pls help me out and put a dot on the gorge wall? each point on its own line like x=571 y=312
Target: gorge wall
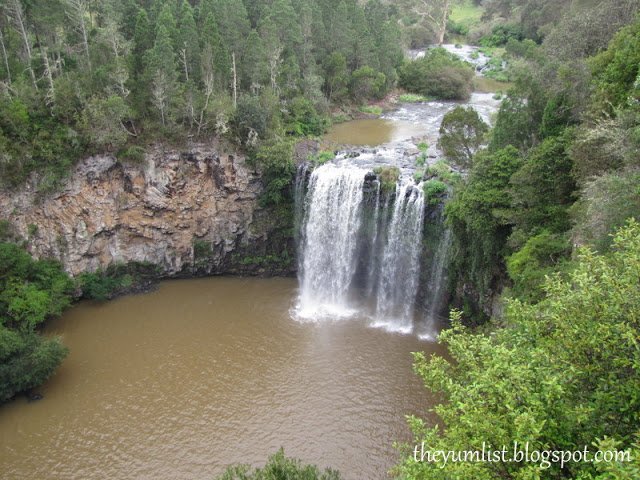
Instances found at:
x=190 y=212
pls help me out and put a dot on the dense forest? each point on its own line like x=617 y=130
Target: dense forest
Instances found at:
x=80 y=76
x=545 y=268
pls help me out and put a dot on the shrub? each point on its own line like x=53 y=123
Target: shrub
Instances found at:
x=388 y=177
x=529 y=266
x=254 y=119
x=366 y=83
x=371 y=109
x=322 y=157
x=501 y=34
x=462 y=132
x=117 y=279
x=30 y=293
x=132 y=154
x=413 y=98
x=280 y=467
x=536 y=380
x=275 y=158
x=303 y=119
x=438 y=74
x=434 y=190
x=606 y=203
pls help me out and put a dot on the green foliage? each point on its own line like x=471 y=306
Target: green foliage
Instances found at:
x=464 y=15
x=443 y=171
x=8 y=232
x=371 y=109
x=462 y=133
x=27 y=360
x=275 y=159
x=254 y=119
x=202 y=251
x=132 y=154
x=280 y=467
x=563 y=374
x=501 y=34
x=605 y=204
x=542 y=189
x=30 y=293
x=438 y=74
x=542 y=256
x=322 y=157
x=103 y=122
x=34 y=141
x=616 y=69
x=434 y=191
x=479 y=218
x=303 y=119
x=282 y=260
x=151 y=71
x=516 y=124
x=367 y=83
x=117 y=279
x=413 y=98
x=388 y=178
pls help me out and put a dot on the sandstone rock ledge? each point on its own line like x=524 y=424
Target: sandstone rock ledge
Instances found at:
x=156 y=212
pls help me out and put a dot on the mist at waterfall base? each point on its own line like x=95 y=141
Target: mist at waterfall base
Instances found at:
x=360 y=251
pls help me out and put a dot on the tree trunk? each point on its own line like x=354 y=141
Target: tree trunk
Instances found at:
x=50 y=97
x=442 y=28
x=80 y=10
x=18 y=18
x=6 y=59
x=235 y=81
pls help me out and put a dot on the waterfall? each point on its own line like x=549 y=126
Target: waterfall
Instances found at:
x=374 y=260
x=399 y=273
x=359 y=247
x=329 y=240
x=435 y=287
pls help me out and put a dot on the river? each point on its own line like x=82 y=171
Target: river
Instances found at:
x=203 y=373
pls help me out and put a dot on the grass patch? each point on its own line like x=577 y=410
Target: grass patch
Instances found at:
x=442 y=171
x=413 y=98
x=322 y=157
x=434 y=190
x=489 y=85
x=466 y=13
x=371 y=109
x=388 y=177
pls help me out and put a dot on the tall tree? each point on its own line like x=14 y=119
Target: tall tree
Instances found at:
x=17 y=15
x=78 y=11
x=188 y=43
x=215 y=53
x=433 y=13
x=162 y=63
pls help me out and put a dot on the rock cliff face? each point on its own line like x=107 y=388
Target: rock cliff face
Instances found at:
x=189 y=212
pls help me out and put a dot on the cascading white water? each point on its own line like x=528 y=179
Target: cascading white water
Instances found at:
x=329 y=240
x=400 y=269
x=435 y=287
x=348 y=265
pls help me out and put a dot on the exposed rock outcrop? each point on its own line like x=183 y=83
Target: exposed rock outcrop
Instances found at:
x=192 y=212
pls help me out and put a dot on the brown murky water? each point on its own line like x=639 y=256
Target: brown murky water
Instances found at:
x=372 y=132
x=200 y=374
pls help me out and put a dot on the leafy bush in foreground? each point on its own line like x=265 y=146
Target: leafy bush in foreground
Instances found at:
x=280 y=467
x=562 y=374
x=30 y=293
